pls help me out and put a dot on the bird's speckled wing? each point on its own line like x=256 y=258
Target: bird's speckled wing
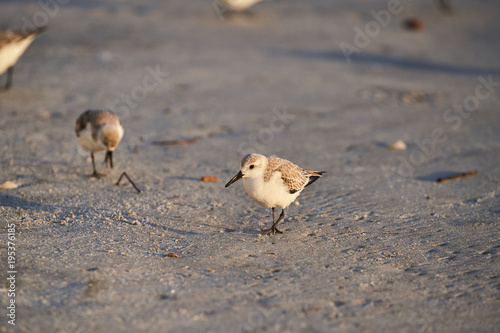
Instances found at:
x=294 y=177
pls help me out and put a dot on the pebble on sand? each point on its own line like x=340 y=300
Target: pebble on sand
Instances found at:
x=398 y=145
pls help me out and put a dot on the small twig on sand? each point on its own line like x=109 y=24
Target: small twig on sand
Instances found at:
x=457 y=176
x=130 y=180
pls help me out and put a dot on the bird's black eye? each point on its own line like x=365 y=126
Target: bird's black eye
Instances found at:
x=252 y=166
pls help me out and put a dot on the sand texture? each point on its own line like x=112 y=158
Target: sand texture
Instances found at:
x=375 y=245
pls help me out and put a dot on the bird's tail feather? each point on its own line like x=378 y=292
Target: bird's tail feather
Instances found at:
x=314 y=176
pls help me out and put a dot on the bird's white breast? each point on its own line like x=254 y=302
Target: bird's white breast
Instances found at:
x=272 y=193
x=9 y=53
x=88 y=143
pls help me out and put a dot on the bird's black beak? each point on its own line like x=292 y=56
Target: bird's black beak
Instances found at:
x=239 y=175
x=109 y=159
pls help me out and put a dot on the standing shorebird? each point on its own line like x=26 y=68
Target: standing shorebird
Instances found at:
x=99 y=131
x=273 y=182
x=12 y=46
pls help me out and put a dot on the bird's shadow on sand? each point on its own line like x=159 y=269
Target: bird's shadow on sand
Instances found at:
x=20 y=203
x=366 y=58
x=241 y=230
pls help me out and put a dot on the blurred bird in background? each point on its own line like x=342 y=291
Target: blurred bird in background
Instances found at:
x=12 y=46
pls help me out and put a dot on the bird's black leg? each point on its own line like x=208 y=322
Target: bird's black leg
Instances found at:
x=93 y=164
x=108 y=160
x=273 y=228
x=10 y=75
x=280 y=218
x=95 y=173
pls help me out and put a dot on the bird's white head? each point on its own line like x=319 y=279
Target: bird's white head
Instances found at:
x=252 y=166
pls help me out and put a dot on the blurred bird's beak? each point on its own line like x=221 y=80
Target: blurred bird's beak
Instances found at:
x=239 y=175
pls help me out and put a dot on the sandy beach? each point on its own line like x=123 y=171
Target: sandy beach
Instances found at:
x=375 y=245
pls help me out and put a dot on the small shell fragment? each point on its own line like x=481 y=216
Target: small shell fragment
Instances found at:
x=398 y=145
x=209 y=179
x=8 y=185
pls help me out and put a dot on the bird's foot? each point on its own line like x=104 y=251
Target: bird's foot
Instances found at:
x=97 y=175
x=271 y=231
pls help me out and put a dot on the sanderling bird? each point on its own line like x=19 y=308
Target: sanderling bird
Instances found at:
x=99 y=131
x=236 y=5
x=12 y=46
x=273 y=182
